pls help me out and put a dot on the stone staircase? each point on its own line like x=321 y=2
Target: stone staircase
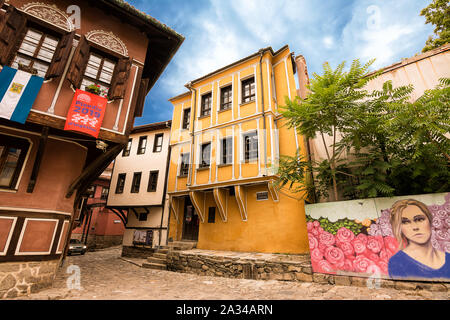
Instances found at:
x=158 y=260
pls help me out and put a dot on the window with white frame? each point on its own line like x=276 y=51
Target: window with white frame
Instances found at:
x=250 y=146
x=99 y=71
x=205 y=155
x=227 y=151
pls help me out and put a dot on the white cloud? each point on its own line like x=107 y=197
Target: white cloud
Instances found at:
x=328 y=42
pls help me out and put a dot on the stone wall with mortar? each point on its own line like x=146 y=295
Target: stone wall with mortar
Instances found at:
x=137 y=252
x=183 y=261
x=22 y=278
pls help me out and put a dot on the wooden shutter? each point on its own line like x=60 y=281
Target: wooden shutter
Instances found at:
x=12 y=31
x=120 y=79
x=143 y=90
x=79 y=63
x=61 y=56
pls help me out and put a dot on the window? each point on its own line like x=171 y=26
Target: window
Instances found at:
x=184 y=166
x=205 y=156
x=136 y=184
x=206 y=105
x=99 y=71
x=120 y=182
x=248 y=90
x=105 y=192
x=186 y=118
x=250 y=146
x=227 y=151
x=91 y=191
x=36 y=51
x=142 y=145
x=143 y=216
x=226 y=98
x=157 y=146
x=264 y=195
x=12 y=156
x=126 y=151
x=211 y=215
x=152 y=181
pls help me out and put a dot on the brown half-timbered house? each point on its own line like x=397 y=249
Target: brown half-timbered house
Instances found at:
x=45 y=169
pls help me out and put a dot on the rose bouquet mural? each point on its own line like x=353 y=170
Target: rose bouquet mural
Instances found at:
x=365 y=246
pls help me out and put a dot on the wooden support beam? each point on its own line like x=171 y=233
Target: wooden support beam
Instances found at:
x=273 y=191
x=93 y=170
x=121 y=215
x=240 y=192
x=135 y=213
x=37 y=162
x=198 y=200
x=174 y=206
x=221 y=199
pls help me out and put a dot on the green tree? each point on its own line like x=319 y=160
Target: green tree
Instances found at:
x=438 y=14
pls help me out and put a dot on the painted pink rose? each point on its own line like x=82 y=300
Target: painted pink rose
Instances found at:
x=362 y=237
x=327 y=238
x=442 y=235
x=391 y=245
x=361 y=263
x=371 y=255
x=335 y=256
x=316 y=255
x=348 y=265
x=316 y=224
x=441 y=214
x=315 y=232
x=374 y=244
x=313 y=242
x=322 y=247
x=383 y=266
x=320 y=229
x=325 y=267
x=309 y=226
x=447 y=221
x=445 y=246
x=438 y=223
x=346 y=247
x=344 y=235
x=385 y=255
x=358 y=246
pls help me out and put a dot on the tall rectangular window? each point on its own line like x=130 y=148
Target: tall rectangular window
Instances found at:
x=211 y=214
x=205 y=156
x=227 y=150
x=157 y=146
x=184 y=166
x=36 y=51
x=226 y=98
x=99 y=71
x=153 y=181
x=186 y=118
x=127 y=149
x=206 y=105
x=142 y=145
x=136 y=183
x=12 y=156
x=250 y=146
x=248 y=90
x=91 y=191
x=120 y=182
x=105 y=192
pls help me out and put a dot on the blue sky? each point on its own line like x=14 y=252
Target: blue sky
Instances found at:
x=219 y=32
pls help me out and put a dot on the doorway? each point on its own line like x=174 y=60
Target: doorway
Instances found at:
x=190 y=221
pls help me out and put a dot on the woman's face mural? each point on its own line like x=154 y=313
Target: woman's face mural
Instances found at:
x=415 y=225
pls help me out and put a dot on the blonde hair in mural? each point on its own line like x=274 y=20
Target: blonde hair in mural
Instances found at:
x=396 y=217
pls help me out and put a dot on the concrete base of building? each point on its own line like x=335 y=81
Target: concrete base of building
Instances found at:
x=137 y=252
x=23 y=278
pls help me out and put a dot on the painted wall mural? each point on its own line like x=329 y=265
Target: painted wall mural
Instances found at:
x=393 y=238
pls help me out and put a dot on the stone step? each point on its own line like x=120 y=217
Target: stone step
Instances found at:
x=156 y=266
x=182 y=245
x=156 y=260
x=165 y=251
x=160 y=256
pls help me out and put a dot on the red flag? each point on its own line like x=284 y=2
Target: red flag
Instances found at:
x=86 y=113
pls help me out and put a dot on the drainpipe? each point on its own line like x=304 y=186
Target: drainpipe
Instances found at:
x=189 y=86
x=261 y=52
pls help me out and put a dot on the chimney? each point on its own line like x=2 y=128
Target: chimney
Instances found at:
x=303 y=78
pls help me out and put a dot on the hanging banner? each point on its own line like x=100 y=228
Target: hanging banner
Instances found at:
x=18 y=91
x=86 y=113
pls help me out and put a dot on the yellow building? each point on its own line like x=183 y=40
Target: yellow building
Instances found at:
x=226 y=139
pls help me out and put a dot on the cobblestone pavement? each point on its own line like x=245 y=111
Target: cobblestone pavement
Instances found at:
x=106 y=276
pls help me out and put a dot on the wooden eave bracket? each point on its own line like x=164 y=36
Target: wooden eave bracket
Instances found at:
x=240 y=193
x=174 y=206
x=273 y=191
x=221 y=199
x=198 y=200
x=118 y=212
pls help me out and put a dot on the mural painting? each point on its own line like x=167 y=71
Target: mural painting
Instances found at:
x=393 y=238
